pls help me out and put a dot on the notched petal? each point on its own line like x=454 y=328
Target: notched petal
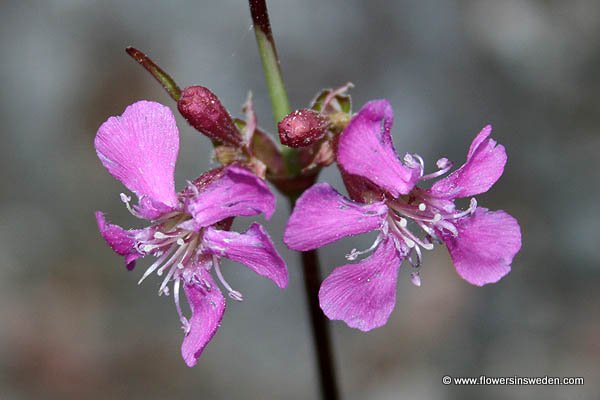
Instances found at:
x=484 y=166
x=140 y=148
x=365 y=149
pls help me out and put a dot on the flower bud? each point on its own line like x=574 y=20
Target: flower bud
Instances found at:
x=302 y=128
x=204 y=111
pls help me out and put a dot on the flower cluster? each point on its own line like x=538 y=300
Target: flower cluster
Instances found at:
x=189 y=232
x=384 y=197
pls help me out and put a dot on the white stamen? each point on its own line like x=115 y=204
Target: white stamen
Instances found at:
x=444 y=164
x=184 y=321
x=165 y=217
x=403 y=222
x=419 y=256
x=127 y=199
x=157 y=263
x=404 y=210
x=470 y=210
x=410 y=238
x=414 y=161
x=353 y=255
x=173 y=259
x=158 y=243
x=415 y=278
x=160 y=235
x=422 y=207
x=449 y=226
x=178 y=264
x=420 y=159
x=234 y=294
x=415 y=263
x=426 y=228
x=193 y=188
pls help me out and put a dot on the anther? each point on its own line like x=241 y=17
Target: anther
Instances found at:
x=126 y=199
x=443 y=163
x=422 y=207
x=470 y=210
x=235 y=295
x=415 y=278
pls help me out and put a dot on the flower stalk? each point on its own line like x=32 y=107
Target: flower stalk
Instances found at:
x=272 y=71
x=310 y=259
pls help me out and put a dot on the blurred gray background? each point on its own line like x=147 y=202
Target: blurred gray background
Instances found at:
x=75 y=325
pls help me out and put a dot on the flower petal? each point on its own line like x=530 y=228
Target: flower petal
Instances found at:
x=363 y=295
x=486 y=244
x=322 y=216
x=140 y=148
x=365 y=149
x=208 y=305
x=253 y=248
x=484 y=166
x=122 y=241
x=237 y=192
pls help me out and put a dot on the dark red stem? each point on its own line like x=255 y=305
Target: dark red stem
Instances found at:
x=260 y=18
x=320 y=327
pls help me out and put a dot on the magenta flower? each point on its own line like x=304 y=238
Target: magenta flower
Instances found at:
x=482 y=243
x=189 y=230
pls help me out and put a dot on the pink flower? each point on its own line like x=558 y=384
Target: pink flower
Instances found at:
x=385 y=198
x=189 y=230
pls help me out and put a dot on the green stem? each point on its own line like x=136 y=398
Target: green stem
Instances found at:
x=157 y=72
x=273 y=77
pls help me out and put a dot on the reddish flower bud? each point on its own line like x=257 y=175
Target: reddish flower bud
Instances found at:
x=204 y=111
x=302 y=128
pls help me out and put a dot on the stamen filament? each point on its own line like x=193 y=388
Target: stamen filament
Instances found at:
x=182 y=318
x=401 y=228
x=174 y=258
x=157 y=263
x=470 y=210
x=444 y=164
x=127 y=199
x=354 y=253
x=234 y=294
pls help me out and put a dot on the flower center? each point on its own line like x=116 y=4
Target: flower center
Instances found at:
x=179 y=255
x=428 y=219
